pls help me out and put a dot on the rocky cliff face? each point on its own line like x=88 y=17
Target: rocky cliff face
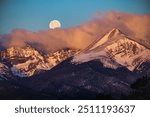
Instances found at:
x=27 y=61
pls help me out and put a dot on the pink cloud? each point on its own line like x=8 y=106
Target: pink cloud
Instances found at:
x=134 y=25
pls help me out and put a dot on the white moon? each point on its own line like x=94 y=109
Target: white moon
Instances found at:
x=54 y=24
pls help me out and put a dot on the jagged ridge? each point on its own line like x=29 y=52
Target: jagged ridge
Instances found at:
x=27 y=61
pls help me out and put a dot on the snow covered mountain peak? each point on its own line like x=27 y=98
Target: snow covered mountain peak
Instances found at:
x=23 y=60
x=112 y=35
x=114 y=31
x=115 y=50
x=20 y=52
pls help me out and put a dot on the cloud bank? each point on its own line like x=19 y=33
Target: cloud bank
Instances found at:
x=134 y=25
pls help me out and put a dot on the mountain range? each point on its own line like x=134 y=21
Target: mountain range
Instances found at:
x=107 y=67
x=27 y=61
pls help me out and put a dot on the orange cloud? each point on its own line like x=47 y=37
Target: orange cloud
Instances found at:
x=134 y=25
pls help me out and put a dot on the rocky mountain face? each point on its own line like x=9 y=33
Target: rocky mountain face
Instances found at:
x=107 y=66
x=5 y=72
x=27 y=61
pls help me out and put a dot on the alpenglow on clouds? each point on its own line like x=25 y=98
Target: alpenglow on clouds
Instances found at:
x=134 y=25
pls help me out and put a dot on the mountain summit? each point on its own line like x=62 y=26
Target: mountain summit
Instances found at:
x=114 y=34
x=114 y=50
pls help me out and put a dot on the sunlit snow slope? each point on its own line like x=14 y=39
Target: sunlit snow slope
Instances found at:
x=114 y=50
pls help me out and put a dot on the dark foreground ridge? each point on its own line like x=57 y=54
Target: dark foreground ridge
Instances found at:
x=84 y=81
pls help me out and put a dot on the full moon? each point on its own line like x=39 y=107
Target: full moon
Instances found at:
x=54 y=24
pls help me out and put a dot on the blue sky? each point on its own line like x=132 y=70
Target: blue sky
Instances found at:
x=35 y=15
